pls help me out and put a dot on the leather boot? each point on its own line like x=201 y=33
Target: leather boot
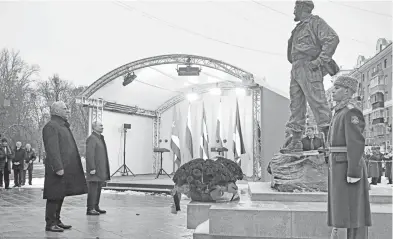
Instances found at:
x=295 y=145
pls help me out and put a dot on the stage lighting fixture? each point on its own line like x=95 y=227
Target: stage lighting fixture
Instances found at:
x=240 y=91
x=215 y=91
x=130 y=77
x=192 y=96
x=188 y=70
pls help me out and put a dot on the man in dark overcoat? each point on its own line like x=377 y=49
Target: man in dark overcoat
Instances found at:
x=17 y=163
x=30 y=158
x=97 y=168
x=64 y=174
x=388 y=166
x=374 y=169
x=6 y=156
x=348 y=195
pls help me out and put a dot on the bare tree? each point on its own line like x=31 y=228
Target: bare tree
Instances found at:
x=16 y=78
x=55 y=89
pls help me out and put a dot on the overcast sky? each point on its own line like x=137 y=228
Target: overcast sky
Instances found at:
x=82 y=41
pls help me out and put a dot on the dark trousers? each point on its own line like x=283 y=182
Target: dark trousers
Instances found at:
x=374 y=180
x=176 y=199
x=30 y=171
x=17 y=177
x=6 y=174
x=52 y=211
x=93 y=195
x=357 y=233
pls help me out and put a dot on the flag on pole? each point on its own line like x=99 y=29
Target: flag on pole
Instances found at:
x=204 y=148
x=218 y=128
x=238 y=143
x=175 y=141
x=188 y=133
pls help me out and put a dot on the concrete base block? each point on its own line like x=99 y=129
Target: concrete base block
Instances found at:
x=262 y=191
x=197 y=212
x=286 y=220
x=202 y=232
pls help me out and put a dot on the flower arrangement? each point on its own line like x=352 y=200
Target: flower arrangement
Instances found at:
x=206 y=180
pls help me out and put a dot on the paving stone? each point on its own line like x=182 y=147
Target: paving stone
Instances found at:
x=22 y=215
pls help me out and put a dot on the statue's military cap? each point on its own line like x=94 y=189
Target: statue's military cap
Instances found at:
x=347 y=82
x=307 y=3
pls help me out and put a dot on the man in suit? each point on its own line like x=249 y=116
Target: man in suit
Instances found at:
x=64 y=174
x=311 y=142
x=348 y=187
x=30 y=158
x=97 y=168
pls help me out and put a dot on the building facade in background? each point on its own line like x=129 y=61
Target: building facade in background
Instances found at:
x=375 y=93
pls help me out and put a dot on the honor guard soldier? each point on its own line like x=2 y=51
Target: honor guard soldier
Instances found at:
x=348 y=195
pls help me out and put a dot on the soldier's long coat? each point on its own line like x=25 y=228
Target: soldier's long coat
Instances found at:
x=373 y=167
x=348 y=203
x=62 y=153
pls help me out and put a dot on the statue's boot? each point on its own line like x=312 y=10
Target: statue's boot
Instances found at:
x=295 y=145
x=325 y=131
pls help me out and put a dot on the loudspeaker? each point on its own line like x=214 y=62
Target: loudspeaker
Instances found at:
x=127 y=126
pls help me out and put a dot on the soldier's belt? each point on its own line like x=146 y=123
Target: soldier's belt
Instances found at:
x=374 y=161
x=338 y=149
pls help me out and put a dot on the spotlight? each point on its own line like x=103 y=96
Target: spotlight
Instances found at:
x=192 y=96
x=188 y=71
x=240 y=91
x=130 y=77
x=215 y=91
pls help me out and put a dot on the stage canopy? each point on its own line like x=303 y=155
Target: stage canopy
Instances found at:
x=155 y=85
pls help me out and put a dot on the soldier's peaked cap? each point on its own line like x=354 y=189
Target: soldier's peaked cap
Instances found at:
x=347 y=82
x=306 y=3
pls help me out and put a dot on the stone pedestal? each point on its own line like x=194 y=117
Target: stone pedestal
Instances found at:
x=299 y=173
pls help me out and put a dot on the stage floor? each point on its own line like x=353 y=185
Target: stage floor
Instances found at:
x=144 y=179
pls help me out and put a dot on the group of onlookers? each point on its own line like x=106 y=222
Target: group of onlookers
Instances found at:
x=20 y=160
x=377 y=163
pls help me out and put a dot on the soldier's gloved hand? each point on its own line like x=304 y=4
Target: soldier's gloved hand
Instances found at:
x=352 y=180
x=92 y=172
x=60 y=172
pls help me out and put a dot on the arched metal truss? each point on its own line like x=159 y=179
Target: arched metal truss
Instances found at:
x=246 y=78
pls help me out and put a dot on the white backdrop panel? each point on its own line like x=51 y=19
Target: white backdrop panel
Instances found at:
x=139 y=154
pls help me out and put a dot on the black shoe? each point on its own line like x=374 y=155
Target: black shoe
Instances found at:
x=100 y=211
x=29 y=183
x=7 y=188
x=61 y=225
x=54 y=228
x=92 y=212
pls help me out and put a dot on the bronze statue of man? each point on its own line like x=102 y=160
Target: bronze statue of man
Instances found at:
x=310 y=50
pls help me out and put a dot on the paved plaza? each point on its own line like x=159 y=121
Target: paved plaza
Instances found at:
x=129 y=215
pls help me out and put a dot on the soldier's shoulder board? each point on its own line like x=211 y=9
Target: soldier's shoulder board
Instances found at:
x=350 y=106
